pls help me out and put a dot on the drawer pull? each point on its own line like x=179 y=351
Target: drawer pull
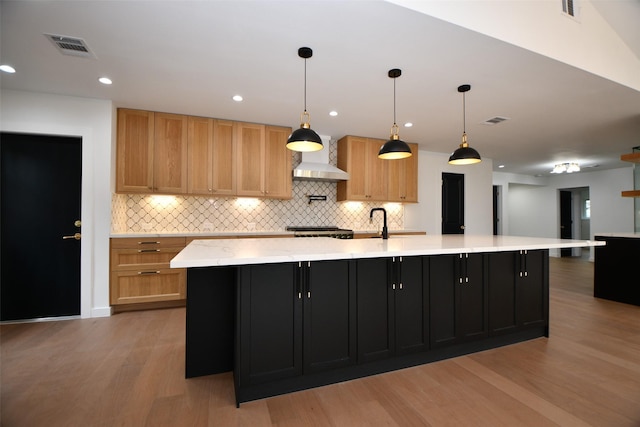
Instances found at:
x=148 y=250
x=148 y=272
x=148 y=243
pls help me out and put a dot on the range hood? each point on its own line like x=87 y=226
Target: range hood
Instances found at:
x=315 y=166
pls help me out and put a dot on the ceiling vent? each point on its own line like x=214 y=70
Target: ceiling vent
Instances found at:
x=495 y=120
x=70 y=45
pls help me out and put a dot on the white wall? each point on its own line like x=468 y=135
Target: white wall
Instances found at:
x=478 y=197
x=588 y=42
x=93 y=120
x=533 y=205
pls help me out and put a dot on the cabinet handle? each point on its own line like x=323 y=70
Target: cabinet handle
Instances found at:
x=393 y=286
x=148 y=272
x=148 y=243
x=400 y=285
x=148 y=250
x=461 y=280
x=308 y=294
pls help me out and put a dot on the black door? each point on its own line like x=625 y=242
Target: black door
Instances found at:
x=565 y=220
x=452 y=203
x=40 y=202
x=496 y=219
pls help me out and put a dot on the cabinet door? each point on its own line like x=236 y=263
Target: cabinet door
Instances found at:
x=329 y=315
x=224 y=158
x=352 y=155
x=375 y=309
x=278 y=172
x=411 y=305
x=200 y=155
x=502 y=292
x=471 y=304
x=170 y=154
x=403 y=178
x=443 y=274
x=135 y=151
x=532 y=288
x=270 y=322
x=377 y=172
x=250 y=159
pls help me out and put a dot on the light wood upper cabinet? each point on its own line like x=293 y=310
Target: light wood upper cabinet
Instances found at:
x=151 y=152
x=374 y=179
x=134 y=166
x=403 y=178
x=368 y=174
x=263 y=161
x=277 y=163
x=211 y=153
x=250 y=159
x=170 y=154
x=176 y=154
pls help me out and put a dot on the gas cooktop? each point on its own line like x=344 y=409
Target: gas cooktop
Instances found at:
x=307 y=231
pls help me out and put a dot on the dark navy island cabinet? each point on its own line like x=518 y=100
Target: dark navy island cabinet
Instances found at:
x=290 y=326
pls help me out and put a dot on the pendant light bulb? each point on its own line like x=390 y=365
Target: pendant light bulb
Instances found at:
x=304 y=138
x=394 y=148
x=464 y=155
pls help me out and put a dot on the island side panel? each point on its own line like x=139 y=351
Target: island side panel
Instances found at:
x=210 y=320
x=616 y=270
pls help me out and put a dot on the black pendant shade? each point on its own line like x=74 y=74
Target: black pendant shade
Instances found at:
x=394 y=148
x=304 y=139
x=464 y=155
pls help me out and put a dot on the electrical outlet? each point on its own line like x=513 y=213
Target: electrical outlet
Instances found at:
x=207 y=226
x=146 y=226
x=251 y=226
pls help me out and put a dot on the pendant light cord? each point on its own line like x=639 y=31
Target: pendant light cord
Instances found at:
x=305 y=85
x=464 y=113
x=394 y=101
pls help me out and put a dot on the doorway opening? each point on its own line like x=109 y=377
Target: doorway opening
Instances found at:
x=575 y=218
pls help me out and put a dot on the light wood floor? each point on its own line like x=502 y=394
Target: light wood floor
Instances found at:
x=128 y=370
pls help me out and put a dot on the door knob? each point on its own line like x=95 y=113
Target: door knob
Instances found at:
x=76 y=236
x=78 y=223
x=462 y=227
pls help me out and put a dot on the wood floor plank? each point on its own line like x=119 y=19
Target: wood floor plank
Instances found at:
x=128 y=370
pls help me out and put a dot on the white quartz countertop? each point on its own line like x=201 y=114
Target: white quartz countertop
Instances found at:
x=625 y=235
x=225 y=252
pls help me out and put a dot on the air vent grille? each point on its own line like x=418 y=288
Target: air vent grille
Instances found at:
x=495 y=120
x=70 y=45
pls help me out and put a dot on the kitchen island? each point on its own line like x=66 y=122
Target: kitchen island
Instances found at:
x=615 y=275
x=290 y=314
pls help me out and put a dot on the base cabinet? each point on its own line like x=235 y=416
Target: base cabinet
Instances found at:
x=302 y=325
x=392 y=307
x=518 y=290
x=293 y=319
x=458 y=299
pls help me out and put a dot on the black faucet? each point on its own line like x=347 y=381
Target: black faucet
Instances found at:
x=385 y=231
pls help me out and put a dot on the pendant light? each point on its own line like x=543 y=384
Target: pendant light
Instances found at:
x=304 y=139
x=464 y=155
x=394 y=148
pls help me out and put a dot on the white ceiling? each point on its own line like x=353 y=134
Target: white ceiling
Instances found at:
x=191 y=57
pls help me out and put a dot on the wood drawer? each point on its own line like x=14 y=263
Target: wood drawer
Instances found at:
x=147 y=285
x=142 y=258
x=147 y=242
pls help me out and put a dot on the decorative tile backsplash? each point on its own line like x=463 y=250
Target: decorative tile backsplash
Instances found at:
x=139 y=213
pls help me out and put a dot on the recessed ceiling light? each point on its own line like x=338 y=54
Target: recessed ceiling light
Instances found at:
x=237 y=98
x=500 y=166
x=105 y=80
x=333 y=113
x=408 y=124
x=7 y=69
